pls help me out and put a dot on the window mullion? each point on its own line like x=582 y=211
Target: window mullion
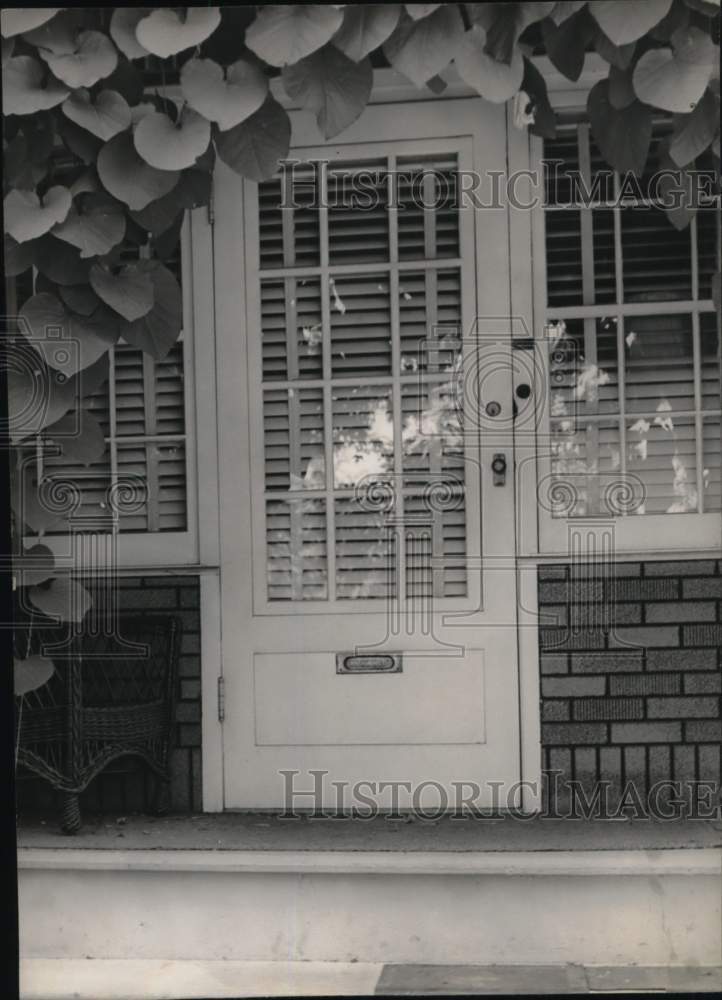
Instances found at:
x=394 y=292
x=590 y=326
x=325 y=292
x=697 y=369
x=151 y=449
x=621 y=356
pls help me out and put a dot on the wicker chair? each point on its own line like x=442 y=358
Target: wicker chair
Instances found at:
x=111 y=697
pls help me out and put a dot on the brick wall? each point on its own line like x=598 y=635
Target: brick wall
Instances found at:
x=631 y=677
x=126 y=786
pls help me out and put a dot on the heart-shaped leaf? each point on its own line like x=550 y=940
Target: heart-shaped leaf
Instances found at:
x=129 y=292
x=94 y=58
x=624 y=21
x=58 y=36
x=60 y=261
x=79 y=299
x=31 y=674
x=418 y=10
x=254 y=148
x=168 y=145
x=365 y=27
x=61 y=598
x=105 y=117
x=27 y=217
x=79 y=141
x=676 y=80
x=128 y=177
x=226 y=101
x=616 y=55
x=23 y=90
x=496 y=81
x=164 y=33
x=68 y=343
x=192 y=190
x=505 y=22
x=39 y=396
x=622 y=134
x=34 y=566
x=31 y=506
x=127 y=81
x=694 y=132
x=16 y=20
x=566 y=44
x=621 y=91
x=18 y=256
x=421 y=49
x=122 y=30
x=534 y=86
x=283 y=34
x=95 y=228
x=157 y=331
x=335 y=88
x=565 y=9
x=79 y=437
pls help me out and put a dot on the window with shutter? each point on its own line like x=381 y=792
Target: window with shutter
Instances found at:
x=140 y=486
x=633 y=344
x=358 y=359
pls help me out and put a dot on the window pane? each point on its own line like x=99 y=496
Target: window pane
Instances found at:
x=363 y=434
x=365 y=564
x=428 y=210
x=151 y=491
x=711 y=470
x=659 y=369
x=292 y=338
x=358 y=227
x=664 y=459
x=564 y=258
x=296 y=550
x=432 y=435
x=656 y=257
x=360 y=325
x=299 y=246
x=435 y=547
x=583 y=366
x=429 y=320
x=293 y=439
x=585 y=467
x=708 y=222
x=710 y=351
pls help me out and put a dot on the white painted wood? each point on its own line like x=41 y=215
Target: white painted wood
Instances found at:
x=211 y=670
x=252 y=625
x=645 y=910
x=148 y=979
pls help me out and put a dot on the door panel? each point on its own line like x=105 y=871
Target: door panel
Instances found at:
x=359 y=514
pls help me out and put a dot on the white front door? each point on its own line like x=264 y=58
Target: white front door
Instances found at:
x=369 y=591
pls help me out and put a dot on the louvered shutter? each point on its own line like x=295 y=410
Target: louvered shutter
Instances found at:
x=634 y=341
x=360 y=292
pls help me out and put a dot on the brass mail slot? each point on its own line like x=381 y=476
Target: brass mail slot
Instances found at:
x=368 y=663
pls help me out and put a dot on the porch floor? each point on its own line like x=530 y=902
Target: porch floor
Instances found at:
x=267 y=832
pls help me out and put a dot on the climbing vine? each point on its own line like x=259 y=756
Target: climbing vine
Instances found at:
x=100 y=166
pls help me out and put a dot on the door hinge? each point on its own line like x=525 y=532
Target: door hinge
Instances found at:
x=221 y=699
x=211 y=207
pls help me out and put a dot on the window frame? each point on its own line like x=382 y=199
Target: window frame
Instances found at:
x=657 y=535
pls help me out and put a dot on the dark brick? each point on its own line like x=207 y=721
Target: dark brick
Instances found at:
x=555 y=711
x=560 y=759
x=685 y=765
x=190 y=598
x=553 y=664
x=574 y=733
x=605 y=663
x=710 y=764
x=680 y=611
x=608 y=708
x=180 y=779
x=667 y=635
x=703 y=732
x=644 y=684
x=635 y=766
x=691 y=567
x=660 y=764
x=610 y=764
x=190 y=735
x=190 y=643
x=646 y=732
x=191 y=621
x=683 y=708
x=196 y=780
x=614 y=569
x=646 y=590
x=569 y=687
x=552 y=572
x=145 y=599
x=189 y=666
x=128 y=582
x=190 y=690
x=585 y=764
x=566 y=592
x=625 y=614
x=703 y=683
x=553 y=614
x=559 y=638
x=682 y=659
x=710 y=587
x=188 y=711
x=702 y=635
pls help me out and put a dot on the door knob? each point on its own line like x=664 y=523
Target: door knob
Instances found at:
x=498 y=467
